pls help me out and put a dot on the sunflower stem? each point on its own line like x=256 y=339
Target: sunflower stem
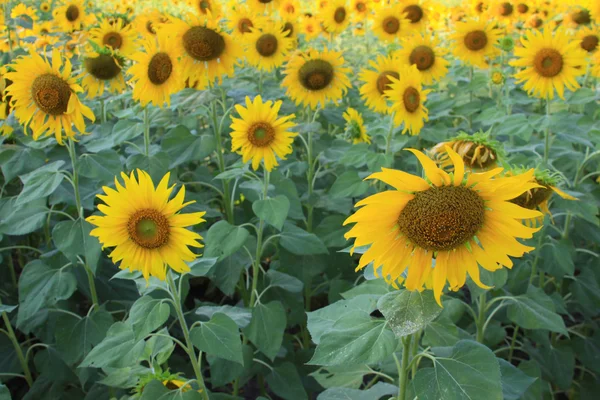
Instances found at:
x=403 y=368
x=414 y=349
x=146 y=132
x=221 y=164
x=13 y=338
x=480 y=323
x=512 y=343
x=547 y=136
x=537 y=256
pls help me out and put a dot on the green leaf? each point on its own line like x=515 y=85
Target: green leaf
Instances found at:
x=119 y=349
x=16 y=160
x=75 y=337
x=147 y=315
x=103 y=166
x=220 y=337
x=241 y=316
x=284 y=281
x=126 y=130
x=374 y=393
x=73 y=238
x=557 y=364
x=159 y=348
x=40 y=183
x=6 y=308
x=157 y=165
x=184 y=147
x=408 y=311
x=285 y=382
x=21 y=220
x=300 y=242
x=441 y=334
x=273 y=210
x=226 y=273
x=266 y=328
x=588 y=351
x=558 y=257
x=347 y=376
x=201 y=266
x=470 y=371
x=4 y=393
x=348 y=184
x=535 y=310
x=514 y=381
x=155 y=390
x=224 y=239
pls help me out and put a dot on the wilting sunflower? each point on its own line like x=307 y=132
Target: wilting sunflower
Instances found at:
x=335 y=17
x=389 y=22
x=590 y=38
x=426 y=53
x=44 y=96
x=552 y=60
x=315 y=77
x=145 y=227
x=408 y=98
x=355 y=127
x=289 y=9
x=459 y=220
x=267 y=48
x=156 y=72
x=478 y=151
x=21 y=10
x=259 y=135
x=102 y=71
x=474 y=41
x=118 y=36
x=360 y=9
x=416 y=12
x=207 y=52
x=70 y=15
x=242 y=20
x=310 y=27
x=377 y=80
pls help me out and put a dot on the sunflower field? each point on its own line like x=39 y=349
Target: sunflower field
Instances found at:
x=299 y=199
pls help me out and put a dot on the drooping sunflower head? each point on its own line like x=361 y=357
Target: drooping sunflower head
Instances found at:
x=590 y=38
x=408 y=100
x=426 y=53
x=377 y=80
x=577 y=17
x=70 y=15
x=260 y=134
x=475 y=41
x=478 y=151
x=116 y=35
x=335 y=17
x=103 y=70
x=355 y=127
x=389 y=22
x=267 y=48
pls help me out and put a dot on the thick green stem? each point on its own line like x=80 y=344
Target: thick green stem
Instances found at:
x=481 y=318
x=18 y=350
x=512 y=343
x=403 y=370
x=221 y=164
x=537 y=256
x=565 y=233
x=547 y=136
x=414 y=349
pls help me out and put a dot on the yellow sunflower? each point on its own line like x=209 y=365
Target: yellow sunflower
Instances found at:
x=408 y=98
x=145 y=227
x=242 y=20
x=289 y=9
x=416 y=12
x=535 y=21
x=475 y=41
x=101 y=71
x=360 y=10
x=594 y=7
x=441 y=228
x=503 y=11
x=206 y=7
x=315 y=77
x=259 y=135
x=577 y=17
x=590 y=38
x=291 y=30
x=524 y=8
x=376 y=81
x=267 y=48
x=118 y=36
x=355 y=127
x=335 y=17
x=43 y=28
x=596 y=64
x=263 y=5
x=44 y=96
x=478 y=7
x=21 y=10
x=426 y=52
x=147 y=22
x=156 y=72
x=310 y=28
x=551 y=60
x=45 y=7
x=69 y=17
x=389 y=22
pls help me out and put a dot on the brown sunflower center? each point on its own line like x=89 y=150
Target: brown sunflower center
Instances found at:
x=589 y=43
x=288 y=29
x=148 y=228
x=339 y=15
x=102 y=67
x=533 y=198
x=442 y=218
x=391 y=25
x=479 y=7
x=423 y=57
x=203 y=44
x=113 y=39
x=244 y=25
x=261 y=134
x=414 y=13
x=171 y=386
x=204 y=5
x=45 y=7
x=548 y=63
x=290 y=9
x=581 y=17
x=265 y=1
x=384 y=81
x=316 y=74
x=536 y=22
x=505 y=9
x=360 y=7
x=51 y=94
x=412 y=99
x=150 y=28
x=475 y=40
x=266 y=45
x=72 y=13
x=160 y=68
x=522 y=8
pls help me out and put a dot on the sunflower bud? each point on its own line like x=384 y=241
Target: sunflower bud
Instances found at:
x=507 y=43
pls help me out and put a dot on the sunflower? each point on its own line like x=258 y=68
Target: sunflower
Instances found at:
x=479 y=7
x=523 y=8
x=416 y=12
x=478 y=151
x=42 y=28
x=497 y=77
x=590 y=38
x=44 y=96
x=389 y=23
x=552 y=60
x=290 y=29
x=145 y=227
x=207 y=52
x=259 y=135
x=21 y=10
x=242 y=20
x=69 y=17
x=315 y=77
x=596 y=64
x=355 y=127
x=147 y=22
x=360 y=9
x=45 y=7
x=376 y=81
x=310 y=28
x=535 y=21
x=424 y=51
x=263 y=5
x=474 y=41
x=267 y=48
x=289 y=9
x=408 y=98
x=206 y=7
x=335 y=17
x=578 y=16
x=118 y=36
x=594 y=7
x=503 y=11
x=157 y=72
x=100 y=70
x=460 y=220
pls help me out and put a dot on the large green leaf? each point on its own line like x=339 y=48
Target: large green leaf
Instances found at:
x=182 y=146
x=75 y=337
x=298 y=241
x=346 y=376
x=16 y=160
x=155 y=390
x=73 y=238
x=407 y=312
x=273 y=210
x=266 y=327
x=224 y=239
x=40 y=183
x=4 y=393
x=348 y=184
x=21 y=220
x=103 y=166
x=284 y=281
x=119 y=349
x=535 y=310
x=147 y=315
x=220 y=336
x=374 y=393
x=285 y=382
x=241 y=316
x=514 y=381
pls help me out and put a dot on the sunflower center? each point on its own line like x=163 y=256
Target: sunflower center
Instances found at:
x=412 y=99
x=476 y=40
x=391 y=25
x=339 y=15
x=289 y=8
x=589 y=43
x=113 y=39
x=479 y=7
x=506 y=9
x=204 y=5
x=72 y=13
x=261 y=134
x=360 y=7
x=537 y=22
x=171 y=386
x=264 y=1
x=148 y=228
x=266 y=45
x=45 y=7
x=581 y=17
x=203 y=44
x=423 y=57
x=150 y=27
x=442 y=218
x=103 y=67
x=384 y=82
x=316 y=74
x=288 y=29
x=533 y=198
x=51 y=94
x=548 y=63
x=160 y=68
x=522 y=8
x=244 y=25
x=414 y=13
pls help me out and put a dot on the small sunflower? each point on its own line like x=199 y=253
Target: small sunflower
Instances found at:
x=590 y=38
x=535 y=21
x=102 y=70
x=21 y=10
x=377 y=80
x=310 y=28
x=44 y=96
x=478 y=151
x=206 y=7
x=552 y=60
x=408 y=98
x=497 y=77
x=45 y=7
x=578 y=17
x=360 y=10
x=291 y=30
x=118 y=36
x=259 y=135
x=335 y=17
x=70 y=15
x=315 y=77
x=267 y=48
x=355 y=127
x=147 y=22
x=441 y=229
x=475 y=41
x=156 y=72
x=389 y=22
x=503 y=11
x=263 y=5
x=524 y=8
x=416 y=12
x=478 y=7
x=43 y=28
x=145 y=228
x=242 y=20
x=426 y=53
x=289 y=9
